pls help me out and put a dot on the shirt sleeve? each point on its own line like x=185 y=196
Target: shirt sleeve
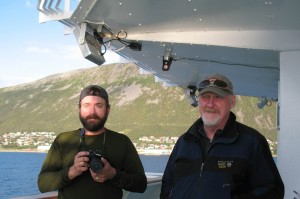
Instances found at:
x=265 y=179
x=132 y=177
x=52 y=175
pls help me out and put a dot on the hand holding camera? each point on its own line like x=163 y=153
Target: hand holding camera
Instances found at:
x=80 y=165
x=95 y=162
x=101 y=169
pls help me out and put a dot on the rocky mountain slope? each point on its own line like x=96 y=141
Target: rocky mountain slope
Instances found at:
x=139 y=105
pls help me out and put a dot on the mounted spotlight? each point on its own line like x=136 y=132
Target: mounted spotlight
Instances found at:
x=167 y=61
x=190 y=93
x=263 y=102
x=90 y=42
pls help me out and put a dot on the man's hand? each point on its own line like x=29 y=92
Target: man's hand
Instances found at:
x=80 y=165
x=107 y=173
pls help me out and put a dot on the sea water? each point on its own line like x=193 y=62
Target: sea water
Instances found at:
x=19 y=171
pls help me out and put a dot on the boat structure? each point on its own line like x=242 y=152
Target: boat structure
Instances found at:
x=255 y=43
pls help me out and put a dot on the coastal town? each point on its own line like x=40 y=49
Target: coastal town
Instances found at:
x=41 y=141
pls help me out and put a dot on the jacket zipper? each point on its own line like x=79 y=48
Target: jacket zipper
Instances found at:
x=202 y=165
x=204 y=159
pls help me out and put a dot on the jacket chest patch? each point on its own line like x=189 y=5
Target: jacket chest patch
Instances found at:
x=224 y=164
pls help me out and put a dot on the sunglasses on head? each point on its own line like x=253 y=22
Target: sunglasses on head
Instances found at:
x=213 y=83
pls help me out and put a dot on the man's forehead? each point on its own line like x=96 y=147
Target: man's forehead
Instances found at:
x=88 y=99
x=211 y=93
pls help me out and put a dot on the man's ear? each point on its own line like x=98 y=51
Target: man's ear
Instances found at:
x=108 y=109
x=232 y=101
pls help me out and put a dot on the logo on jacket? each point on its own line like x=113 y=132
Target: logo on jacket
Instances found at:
x=223 y=164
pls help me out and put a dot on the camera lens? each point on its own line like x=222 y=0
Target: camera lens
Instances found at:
x=96 y=165
x=95 y=161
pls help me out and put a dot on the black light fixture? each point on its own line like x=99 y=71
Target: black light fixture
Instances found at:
x=167 y=58
x=264 y=102
x=167 y=61
x=190 y=93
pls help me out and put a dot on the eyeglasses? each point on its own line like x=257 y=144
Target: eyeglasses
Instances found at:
x=213 y=83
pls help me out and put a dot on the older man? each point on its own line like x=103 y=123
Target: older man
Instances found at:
x=219 y=157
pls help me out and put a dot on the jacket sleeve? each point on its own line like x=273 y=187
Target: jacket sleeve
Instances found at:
x=52 y=177
x=166 y=186
x=132 y=177
x=167 y=179
x=264 y=176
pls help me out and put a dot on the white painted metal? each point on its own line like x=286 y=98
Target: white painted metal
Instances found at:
x=288 y=136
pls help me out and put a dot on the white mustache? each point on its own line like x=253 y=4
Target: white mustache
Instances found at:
x=209 y=110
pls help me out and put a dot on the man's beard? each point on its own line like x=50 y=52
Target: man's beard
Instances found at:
x=95 y=125
x=208 y=120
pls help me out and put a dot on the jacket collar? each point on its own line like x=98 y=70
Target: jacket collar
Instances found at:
x=228 y=134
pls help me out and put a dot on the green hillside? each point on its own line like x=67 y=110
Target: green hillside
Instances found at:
x=139 y=105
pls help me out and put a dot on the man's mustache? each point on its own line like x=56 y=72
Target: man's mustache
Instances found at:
x=93 y=117
x=209 y=110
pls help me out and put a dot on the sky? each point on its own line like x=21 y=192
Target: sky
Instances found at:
x=30 y=50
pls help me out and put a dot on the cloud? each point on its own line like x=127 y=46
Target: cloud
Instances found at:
x=29 y=4
x=71 y=52
x=39 y=60
x=34 y=49
x=15 y=80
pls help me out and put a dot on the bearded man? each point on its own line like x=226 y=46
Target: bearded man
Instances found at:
x=92 y=162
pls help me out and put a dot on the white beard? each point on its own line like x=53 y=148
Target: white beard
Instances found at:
x=210 y=121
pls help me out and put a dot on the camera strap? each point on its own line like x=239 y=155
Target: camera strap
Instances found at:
x=82 y=146
x=82 y=140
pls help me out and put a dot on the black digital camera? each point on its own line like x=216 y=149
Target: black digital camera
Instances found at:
x=95 y=162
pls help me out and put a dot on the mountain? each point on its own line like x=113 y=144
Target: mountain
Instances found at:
x=139 y=105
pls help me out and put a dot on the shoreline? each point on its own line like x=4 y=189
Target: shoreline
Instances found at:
x=140 y=152
x=22 y=151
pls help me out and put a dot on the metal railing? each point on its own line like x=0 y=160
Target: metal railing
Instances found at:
x=152 y=191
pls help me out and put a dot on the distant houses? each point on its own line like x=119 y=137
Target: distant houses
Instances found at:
x=41 y=141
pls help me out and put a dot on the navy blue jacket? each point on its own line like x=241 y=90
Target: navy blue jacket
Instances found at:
x=237 y=164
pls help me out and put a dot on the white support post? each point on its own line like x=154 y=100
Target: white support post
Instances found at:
x=288 y=160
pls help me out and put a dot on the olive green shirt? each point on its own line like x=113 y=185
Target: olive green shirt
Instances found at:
x=117 y=149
